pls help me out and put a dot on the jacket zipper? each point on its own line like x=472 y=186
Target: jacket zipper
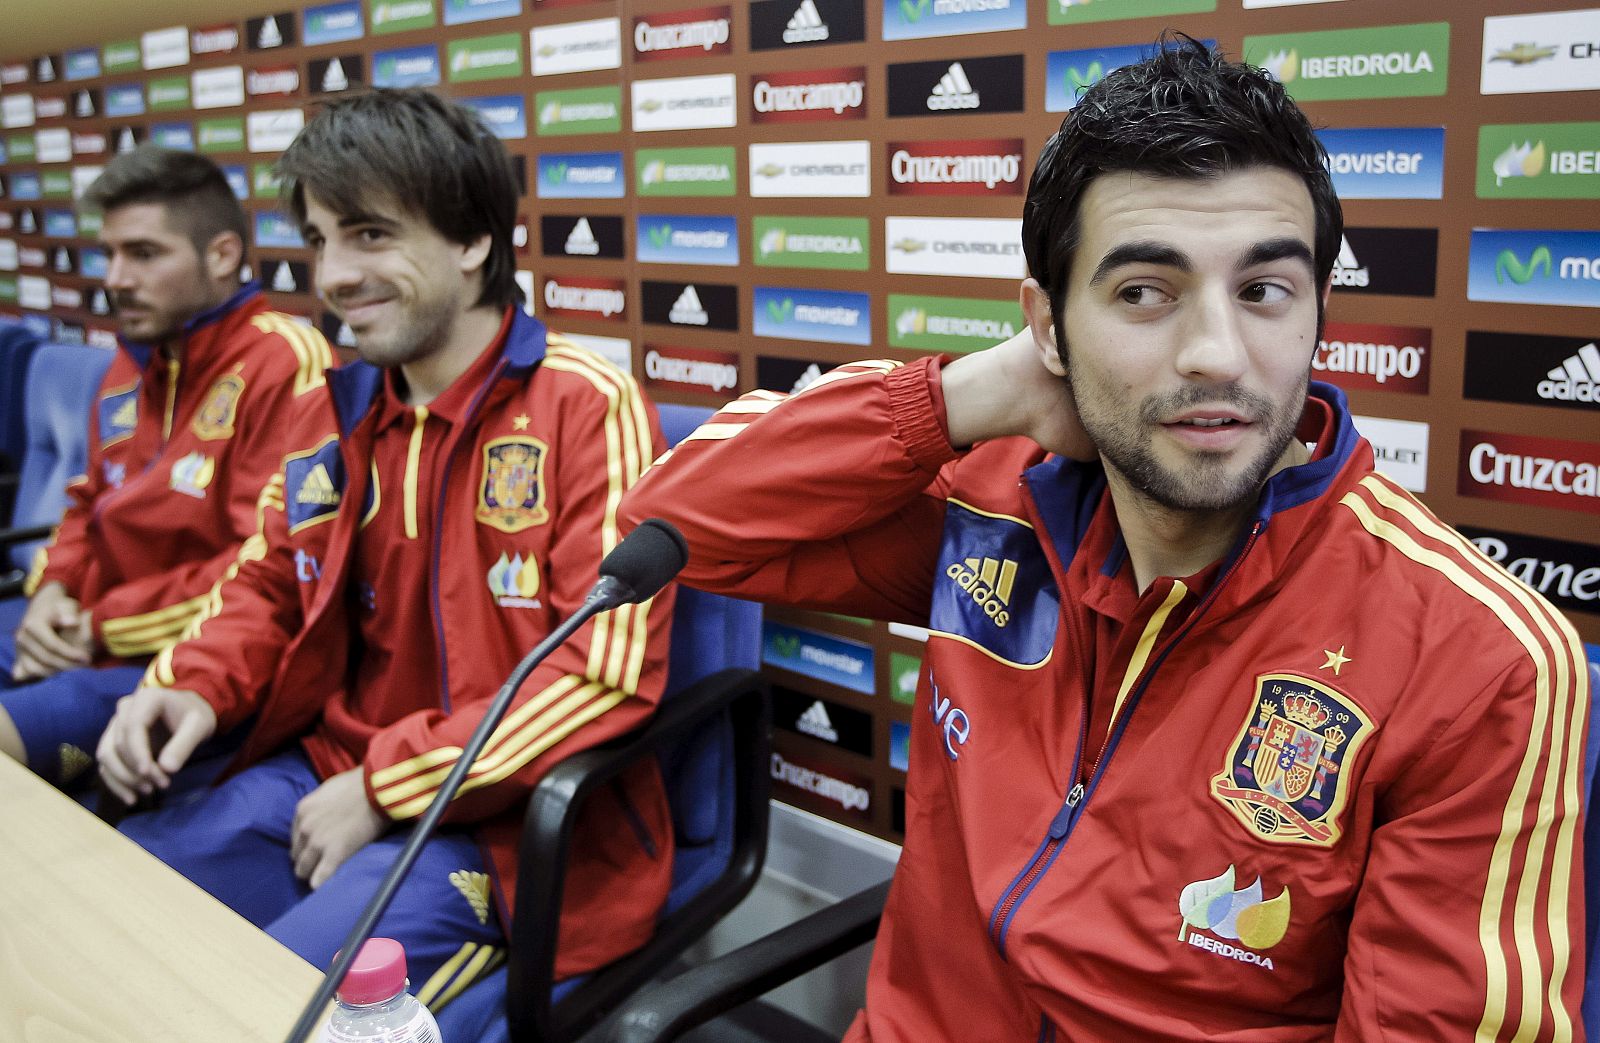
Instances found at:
x=1077 y=797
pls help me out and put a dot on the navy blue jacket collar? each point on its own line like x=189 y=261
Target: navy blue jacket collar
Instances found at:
x=141 y=352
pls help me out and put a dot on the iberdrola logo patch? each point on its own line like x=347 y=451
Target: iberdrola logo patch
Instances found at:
x=1244 y=916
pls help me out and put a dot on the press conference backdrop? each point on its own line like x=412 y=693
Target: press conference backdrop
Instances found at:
x=722 y=197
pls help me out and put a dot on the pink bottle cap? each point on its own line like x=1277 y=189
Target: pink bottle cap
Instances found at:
x=379 y=971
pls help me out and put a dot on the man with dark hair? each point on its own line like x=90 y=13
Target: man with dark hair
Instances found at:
x=184 y=434
x=1222 y=734
x=445 y=507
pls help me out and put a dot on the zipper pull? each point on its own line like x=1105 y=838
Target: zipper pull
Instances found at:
x=1069 y=811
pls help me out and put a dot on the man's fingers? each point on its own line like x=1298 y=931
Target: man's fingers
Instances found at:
x=190 y=732
x=118 y=779
x=48 y=650
x=320 y=874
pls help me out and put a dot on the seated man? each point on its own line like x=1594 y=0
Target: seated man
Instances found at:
x=1220 y=736
x=186 y=431
x=445 y=506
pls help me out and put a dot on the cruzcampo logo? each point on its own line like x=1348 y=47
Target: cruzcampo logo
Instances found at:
x=1507 y=265
x=225 y=134
x=838 y=243
x=1072 y=12
x=55 y=184
x=121 y=56
x=398 y=16
x=585 y=110
x=21 y=149
x=1389 y=61
x=1539 y=161
x=484 y=57
x=685 y=171
x=950 y=323
x=169 y=93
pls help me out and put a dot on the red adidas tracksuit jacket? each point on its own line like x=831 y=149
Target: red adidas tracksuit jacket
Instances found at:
x=1326 y=789
x=524 y=495
x=178 y=450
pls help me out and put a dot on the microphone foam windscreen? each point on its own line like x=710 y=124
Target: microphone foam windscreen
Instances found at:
x=647 y=558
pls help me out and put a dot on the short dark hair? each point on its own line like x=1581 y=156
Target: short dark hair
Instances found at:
x=195 y=192
x=429 y=156
x=1185 y=112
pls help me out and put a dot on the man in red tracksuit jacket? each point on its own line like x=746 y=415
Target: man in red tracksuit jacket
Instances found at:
x=1221 y=737
x=434 y=520
x=183 y=435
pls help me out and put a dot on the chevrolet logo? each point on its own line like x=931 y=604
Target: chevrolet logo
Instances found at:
x=1523 y=54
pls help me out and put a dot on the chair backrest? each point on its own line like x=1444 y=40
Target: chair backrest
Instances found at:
x=17 y=345
x=709 y=633
x=62 y=382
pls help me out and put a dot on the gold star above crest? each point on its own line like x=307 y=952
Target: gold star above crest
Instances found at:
x=520 y=422
x=1335 y=660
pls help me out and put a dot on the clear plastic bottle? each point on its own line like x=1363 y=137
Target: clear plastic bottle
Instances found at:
x=373 y=1005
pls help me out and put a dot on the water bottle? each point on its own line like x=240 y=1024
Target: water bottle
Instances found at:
x=373 y=1005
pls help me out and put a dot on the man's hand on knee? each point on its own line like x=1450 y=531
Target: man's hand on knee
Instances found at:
x=331 y=823
x=127 y=764
x=53 y=635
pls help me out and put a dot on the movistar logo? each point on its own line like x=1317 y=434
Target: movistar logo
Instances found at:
x=781 y=312
x=557 y=173
x=661 y=236
x=988 y=581
x=786 y=645
x=1509 y=265
x=913 y=10
x=1077 y=81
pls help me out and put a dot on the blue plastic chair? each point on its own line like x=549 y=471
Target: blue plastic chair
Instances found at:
x=17 y=344
x=63 y=380
x=712 y=738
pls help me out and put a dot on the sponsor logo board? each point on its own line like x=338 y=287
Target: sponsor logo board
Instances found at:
x=956 y=88
x=1400 y=261
x=457 y=12
x=919 y=19
x=699 y=305
x=974 y=167
x=589 y=235
x=616 y=350
x=16 y=110
x=1566 y=573
x=83 y=63
x=239 y=181
x=580 y=175
x=1530 y=369
x=1389 y=61
x=218 y=88
x=280 y=80
x=687 y=239
x=955 y=324
x=583 y=110
x=406 y=67
x=271 y=130
x=164 y=48
x=398 y=16
x=1372 y=357
x=178 y=136
x=970 y=246
x=86 y=103
x=270 y=32
x=88 y=143
x=340 y=73
x=786 y=375
x=806 y=23
x=333 y=23
x=214 y=39
x=168 y=93
x=1386 y=162
x=809 y=95
x=796 y=313
x=1073 y=12
x=823 y=657
x=576 y=47
x=49 y=108
x=505 y=114
x=810 y=169
x=1532 y=266
x=1536 y=53
x=484 y=57
x=120 y=56
x=708 y=171
x=1400 y=448
x=839 y=243
x=685 y=102
x=1539 y=161
x=53 y=145
x=696 y=371
x=1526 y=469
x=281 y=275
x=274 y=230
x=1069 y=73
x=682 y=34
x=584 y=297
x=812 y=783
x=125 y=99
x=822 y=719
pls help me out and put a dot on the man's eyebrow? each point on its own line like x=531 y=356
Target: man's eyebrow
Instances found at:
x=1282 y=248
x=1144 y=251
x=352 y=220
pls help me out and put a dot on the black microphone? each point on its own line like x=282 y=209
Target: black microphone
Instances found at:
x=636 y=569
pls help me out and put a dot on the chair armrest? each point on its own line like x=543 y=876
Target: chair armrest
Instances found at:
x=668 y=1009
x=25 y=534
x=547 y=834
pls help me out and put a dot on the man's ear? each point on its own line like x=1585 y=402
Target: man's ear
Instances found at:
x=1041 y=323
x=475 y=255
x=223 y=255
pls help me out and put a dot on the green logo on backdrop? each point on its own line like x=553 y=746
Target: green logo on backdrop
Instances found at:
x=264 y=180
x=1509 y=265
x=660 y=236
x=950 y=323
x=843 y=243
x=586 y=110
x=122 y=56
x=1539 y=161
x=169 y=93
x=225 y=134
x=904 y=670
x=484 y=57
x=55 y=184
x=786 y=645
x=8 y=289
x=913 y=10
x=21 y=148
x=1390 y=61
x=1078 y=81
x=685 y=171
x=89 y=222
x=781 y=311
x=397 y=16
x=1071 y=12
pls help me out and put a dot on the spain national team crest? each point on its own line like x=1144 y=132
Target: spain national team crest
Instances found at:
x=214 y=419
x=511 y=492
x=1287 y=774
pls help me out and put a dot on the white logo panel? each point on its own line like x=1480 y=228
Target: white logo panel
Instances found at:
x=576 y=47
x=811 y=168
x=972 y=246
